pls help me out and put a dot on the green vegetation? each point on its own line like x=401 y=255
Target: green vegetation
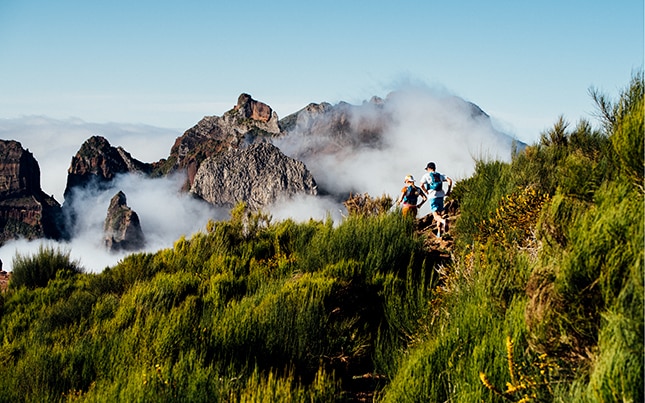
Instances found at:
x=37 y=271
x=542 y=299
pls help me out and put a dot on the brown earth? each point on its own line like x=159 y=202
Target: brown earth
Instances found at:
x=4 y=280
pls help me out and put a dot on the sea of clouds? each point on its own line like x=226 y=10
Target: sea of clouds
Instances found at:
x=430 y=125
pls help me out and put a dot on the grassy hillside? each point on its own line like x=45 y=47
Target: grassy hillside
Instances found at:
x=541 y=299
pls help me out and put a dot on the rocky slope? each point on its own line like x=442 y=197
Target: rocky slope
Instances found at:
x=25 y=210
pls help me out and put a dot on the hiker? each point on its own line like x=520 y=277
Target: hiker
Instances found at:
x=410 y=196
x=432 y=185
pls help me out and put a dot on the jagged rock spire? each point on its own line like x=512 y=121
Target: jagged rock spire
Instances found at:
x=122 y=227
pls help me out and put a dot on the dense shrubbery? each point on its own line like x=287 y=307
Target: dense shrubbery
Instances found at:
x=542 y=301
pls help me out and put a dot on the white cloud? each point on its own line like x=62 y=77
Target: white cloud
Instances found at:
x=430 y=125
x=302 y=208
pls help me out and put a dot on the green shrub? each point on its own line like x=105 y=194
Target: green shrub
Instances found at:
x=37 y=270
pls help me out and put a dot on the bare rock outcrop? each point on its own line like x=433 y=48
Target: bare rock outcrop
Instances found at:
x=258 y=175
x=97 y=163
x=257 y=111
x=122 y=227
x=249 y=121
x=25 y=210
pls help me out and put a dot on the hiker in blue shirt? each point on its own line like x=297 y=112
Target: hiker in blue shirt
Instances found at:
x=432 y=184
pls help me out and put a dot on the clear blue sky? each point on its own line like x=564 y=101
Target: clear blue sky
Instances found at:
x=169 y=63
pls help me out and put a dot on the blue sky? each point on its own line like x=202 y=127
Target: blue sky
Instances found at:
x=169 y=63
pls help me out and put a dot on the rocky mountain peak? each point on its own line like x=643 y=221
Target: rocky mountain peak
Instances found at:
x=98 y=162
x=248 y=122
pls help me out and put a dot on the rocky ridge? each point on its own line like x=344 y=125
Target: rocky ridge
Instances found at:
x=342 y=127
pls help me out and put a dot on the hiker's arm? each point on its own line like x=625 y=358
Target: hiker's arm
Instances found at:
x=424 y=191
x=425 y=199
x=449 y=180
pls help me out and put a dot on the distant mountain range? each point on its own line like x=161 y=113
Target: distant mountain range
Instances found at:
x=246 y=155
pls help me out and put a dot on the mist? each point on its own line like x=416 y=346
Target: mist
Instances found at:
x=429 y=125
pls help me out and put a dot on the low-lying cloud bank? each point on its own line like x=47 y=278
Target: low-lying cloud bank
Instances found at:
x=430 y=125
x=165 y=214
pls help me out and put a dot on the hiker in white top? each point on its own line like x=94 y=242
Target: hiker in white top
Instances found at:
x=432 y=184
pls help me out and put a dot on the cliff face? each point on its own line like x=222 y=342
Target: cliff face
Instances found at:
x=122 y=227
x=19 y=172
x=25 y=210
x=258 y=175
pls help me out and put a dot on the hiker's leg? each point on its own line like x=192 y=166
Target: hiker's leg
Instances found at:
x=409 y=209
x=438 y=220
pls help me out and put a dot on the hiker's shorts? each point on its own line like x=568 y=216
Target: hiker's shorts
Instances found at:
x=436 y=204
x=409 y=209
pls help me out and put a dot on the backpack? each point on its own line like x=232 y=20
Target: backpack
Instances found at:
x=436 y=183
x=411 y=195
